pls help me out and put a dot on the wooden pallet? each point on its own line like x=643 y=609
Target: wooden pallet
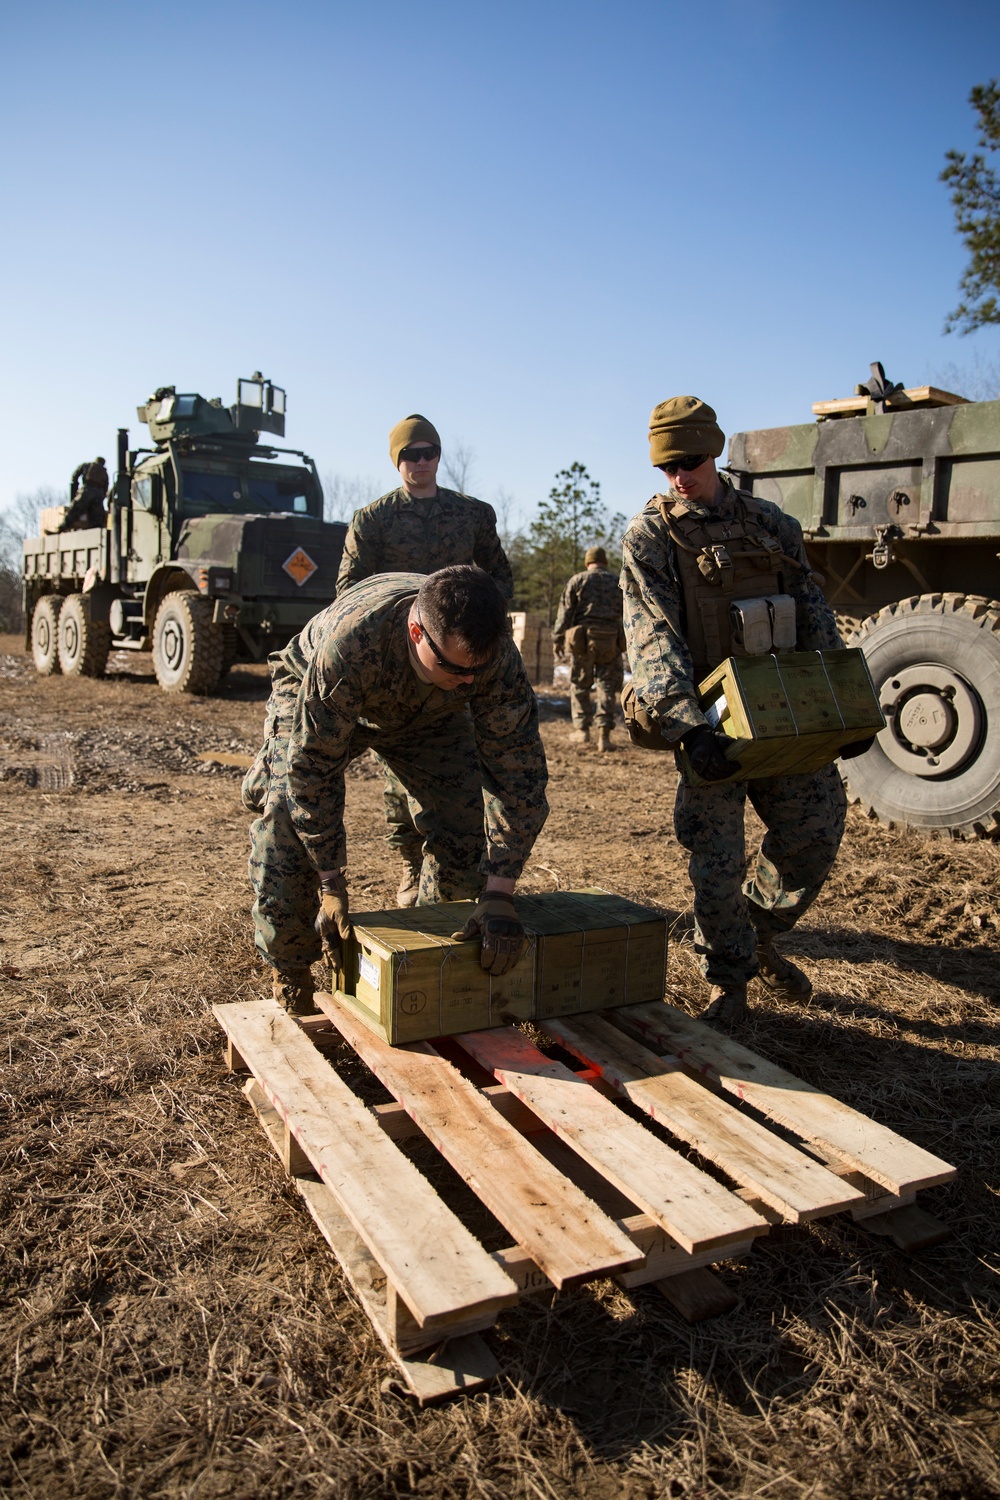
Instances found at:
x=583 y=1188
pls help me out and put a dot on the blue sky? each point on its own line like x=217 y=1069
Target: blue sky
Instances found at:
x=529 y=222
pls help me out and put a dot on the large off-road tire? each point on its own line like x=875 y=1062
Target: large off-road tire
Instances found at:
x=935 y=662
x=187 y=644
x=83 y=643
x=45 y=635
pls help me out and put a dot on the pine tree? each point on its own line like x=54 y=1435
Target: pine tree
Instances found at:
x=975 y=195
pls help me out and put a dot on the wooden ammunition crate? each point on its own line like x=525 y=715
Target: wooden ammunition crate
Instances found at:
x=409 y=979
x=533 y=639
x=51 y=518
x=789 y=713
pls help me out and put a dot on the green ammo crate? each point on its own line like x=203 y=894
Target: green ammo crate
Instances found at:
x=789 y=713
x=409 y=979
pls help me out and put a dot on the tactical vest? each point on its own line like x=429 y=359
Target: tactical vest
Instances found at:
x=96 y=475
x=727 y=562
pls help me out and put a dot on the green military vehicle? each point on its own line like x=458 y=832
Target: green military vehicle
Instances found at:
x=898 y=494
x=215 y=549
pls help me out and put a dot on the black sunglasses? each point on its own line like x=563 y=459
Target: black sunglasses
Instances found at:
x=444 y=663
x=416 y=455
x=686 y=464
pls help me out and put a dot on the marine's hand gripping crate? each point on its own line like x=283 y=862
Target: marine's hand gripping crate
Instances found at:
x=588 y=950
x=789 y=713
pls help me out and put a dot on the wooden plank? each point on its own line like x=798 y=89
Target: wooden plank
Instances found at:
x=430 y=1257
x=402 y=1127
x=458 y=1367
x=909 y=1228
x=565 y=1233
x=697 y=1295
x=786 y=1179
x=694 y=1209
x=872 y=1149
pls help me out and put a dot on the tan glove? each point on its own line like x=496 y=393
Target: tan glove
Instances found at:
x=496 y=922
x=333 y=922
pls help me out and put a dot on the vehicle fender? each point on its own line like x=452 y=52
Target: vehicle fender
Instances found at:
x=166 y=580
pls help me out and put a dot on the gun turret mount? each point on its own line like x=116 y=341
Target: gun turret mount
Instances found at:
x=171 y=415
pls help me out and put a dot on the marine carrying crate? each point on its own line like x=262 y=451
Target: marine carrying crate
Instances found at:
x=789 y=713
x=410 y=979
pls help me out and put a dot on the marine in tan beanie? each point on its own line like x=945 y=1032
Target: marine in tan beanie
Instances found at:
x=684 y=441
x=412 y=429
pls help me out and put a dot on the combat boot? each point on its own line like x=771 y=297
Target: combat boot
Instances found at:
x=294 y=989
x=604 y=739
x=581 y=737
x=409 y=885
x=780 y=975
x=727 y=1006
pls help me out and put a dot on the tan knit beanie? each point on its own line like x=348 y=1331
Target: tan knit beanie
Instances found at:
x=412 y=429
x=681 y=426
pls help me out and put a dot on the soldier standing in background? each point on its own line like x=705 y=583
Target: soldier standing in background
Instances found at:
x=418 y=528
x=88 y=490
x=424 y=671
x=685 y=558
x=589 y=622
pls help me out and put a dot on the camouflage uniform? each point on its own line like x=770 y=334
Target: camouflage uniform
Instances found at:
x=590 y=613
x=402 y=533
x=804 y=815
x=345 y=684
x=88 y=489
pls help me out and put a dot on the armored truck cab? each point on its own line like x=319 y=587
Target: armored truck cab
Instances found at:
x=215 y=548
x=898 y=495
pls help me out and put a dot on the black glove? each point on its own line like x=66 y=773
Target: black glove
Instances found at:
x=704 y=749
x=859 y=747
x=333 y=922
x=497 y=923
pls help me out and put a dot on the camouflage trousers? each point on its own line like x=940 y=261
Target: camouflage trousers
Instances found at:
x=605 y=678
x=439 y=773
x=804 y=818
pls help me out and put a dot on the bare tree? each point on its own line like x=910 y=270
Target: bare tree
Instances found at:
x=456 y=466
x=343 y=494
x=979 y=381
x=20 y=520
x=505 y=506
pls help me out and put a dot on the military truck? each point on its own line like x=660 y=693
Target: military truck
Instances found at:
x=898 y=494
x=215 y=549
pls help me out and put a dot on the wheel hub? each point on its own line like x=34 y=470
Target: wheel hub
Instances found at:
x=172 y=643
x=934 y=720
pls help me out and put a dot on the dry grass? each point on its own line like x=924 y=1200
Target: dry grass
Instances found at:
x=173 y=1326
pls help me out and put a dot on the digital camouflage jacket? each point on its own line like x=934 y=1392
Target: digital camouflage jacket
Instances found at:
x=349 y=671
x=593 y=597
x=662 y=667
x=400 y=533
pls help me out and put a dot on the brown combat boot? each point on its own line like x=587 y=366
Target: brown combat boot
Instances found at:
x=780 y=975
x=727 y=1006
x=581 y=737
x=294 y=989
x=409 y=885
x=604 y=739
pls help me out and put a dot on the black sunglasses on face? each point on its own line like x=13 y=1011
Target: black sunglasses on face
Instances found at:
x=686 y=464
x=444 y=663
x=418 y=455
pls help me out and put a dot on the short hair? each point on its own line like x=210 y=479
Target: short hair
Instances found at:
x=465 y=602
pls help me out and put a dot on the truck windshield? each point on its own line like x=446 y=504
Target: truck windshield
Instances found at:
x=286 y=493
x=213 y=494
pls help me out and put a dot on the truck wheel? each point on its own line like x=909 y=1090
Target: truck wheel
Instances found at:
x=45 y=634
x=187 y=644
x=83 y=643
x=935 y=663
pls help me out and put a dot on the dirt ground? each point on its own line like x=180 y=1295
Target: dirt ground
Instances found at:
x=171 y=1322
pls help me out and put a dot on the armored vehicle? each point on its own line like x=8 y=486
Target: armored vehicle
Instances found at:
x=215 y=549
x=898 y=495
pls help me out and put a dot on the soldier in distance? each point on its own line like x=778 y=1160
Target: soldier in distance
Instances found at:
x=424 y=671
x=589 y=622
x=418 y=528
x=88 y=491
x=685 y=557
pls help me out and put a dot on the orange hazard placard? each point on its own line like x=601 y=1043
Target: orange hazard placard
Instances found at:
x=299 y=566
